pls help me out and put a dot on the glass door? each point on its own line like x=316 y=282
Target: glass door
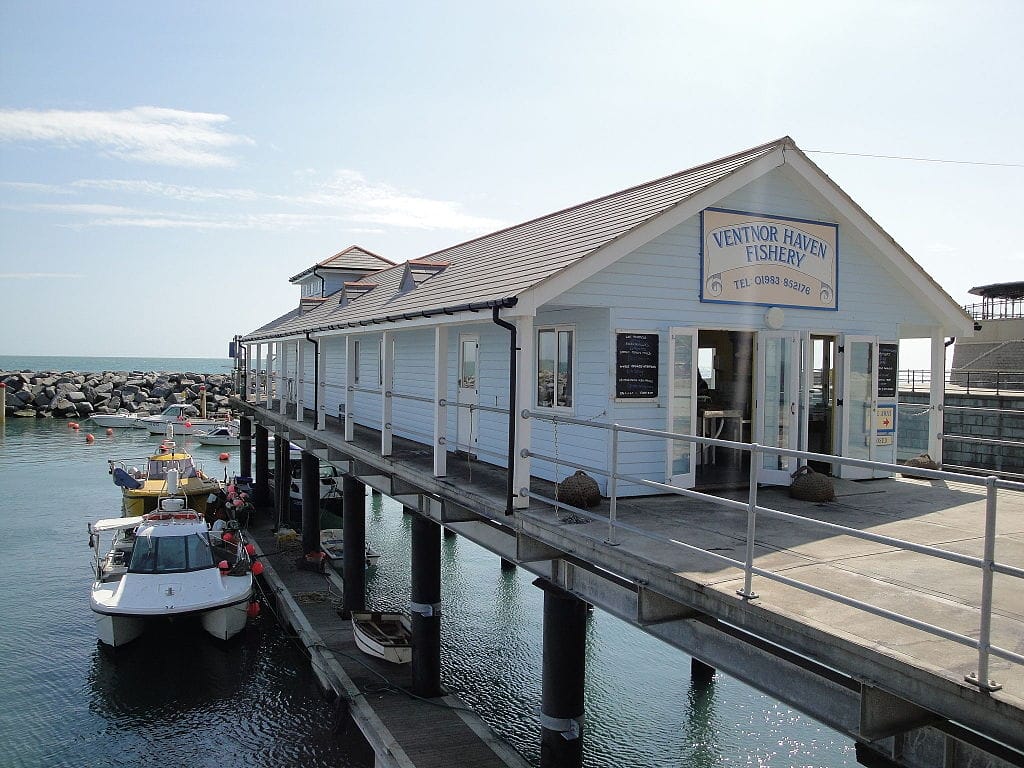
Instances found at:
x=682 y=411
x=469 y=393
x=776 y=420
x=860 y=382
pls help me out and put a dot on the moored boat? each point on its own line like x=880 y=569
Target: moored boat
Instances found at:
x=332 y=544
x=142 y=488
x=184 y=423
x=222 y=435
x=116 y=420
x=167 y=564
x=384 y=635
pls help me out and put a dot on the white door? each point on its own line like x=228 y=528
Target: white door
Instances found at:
x=860 y=382
x=469 y=392
x=777 y=398
x=682 y=412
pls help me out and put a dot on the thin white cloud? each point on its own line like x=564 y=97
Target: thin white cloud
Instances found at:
x=37 y=275
x=171 y=191
x=141 y=134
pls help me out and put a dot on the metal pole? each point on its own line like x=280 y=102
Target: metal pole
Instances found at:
x=3 y=405
x=353 y=543
x=282 y=479
x=755 y=467
x=202 y=400
x=563 y=673
x=613 y=487
x=426 y=607
x=245 y=447
x=310 y=503
x=980 y=678
x=262 y=467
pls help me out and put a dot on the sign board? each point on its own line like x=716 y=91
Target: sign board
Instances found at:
x=888 y=361
x=885 y=419
x=636 y=365
x=757 y=258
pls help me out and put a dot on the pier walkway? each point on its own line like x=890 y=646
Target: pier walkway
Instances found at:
x=403 y=731
x=896 y=690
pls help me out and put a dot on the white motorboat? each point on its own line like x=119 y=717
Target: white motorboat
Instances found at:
x=383 y=635
x=184 y=424
x=166 y=565
x=329 y=485
x=116 y=420
x=223 y=435
x=332 y=543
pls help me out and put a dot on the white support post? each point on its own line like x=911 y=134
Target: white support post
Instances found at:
x=526 y=384
x=270 y=375
x=440 y=398
x=351 y=351
x=282 y=390
x=387 y=384
x=258 y=375
x=300 y=379
x=936 y=398
x=321 y=383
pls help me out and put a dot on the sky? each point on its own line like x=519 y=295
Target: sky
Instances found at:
x=165 y=168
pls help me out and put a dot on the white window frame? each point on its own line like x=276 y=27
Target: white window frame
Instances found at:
x=536 y=362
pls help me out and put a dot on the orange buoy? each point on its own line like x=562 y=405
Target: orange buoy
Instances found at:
x=225 y=456
x=253 y=610
x=89 y=438
x=73 y=424
x=223 y=566
x=257 y=568
x=110 y=431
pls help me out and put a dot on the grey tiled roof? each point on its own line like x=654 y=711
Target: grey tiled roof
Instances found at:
x=503 y=264
x=354 y=258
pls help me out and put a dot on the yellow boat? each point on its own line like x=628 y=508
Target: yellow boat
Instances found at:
x=142 y=488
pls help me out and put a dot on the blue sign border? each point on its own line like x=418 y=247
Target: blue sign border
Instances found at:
x=775 y=218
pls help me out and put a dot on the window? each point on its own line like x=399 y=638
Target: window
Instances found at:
x=171 y=554
x=555 y=349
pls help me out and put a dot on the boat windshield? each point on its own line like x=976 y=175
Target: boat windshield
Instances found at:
x=170 y=554
x=158 y=468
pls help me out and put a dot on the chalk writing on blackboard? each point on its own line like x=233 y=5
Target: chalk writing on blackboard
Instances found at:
x=636 y=365
x=888 y=359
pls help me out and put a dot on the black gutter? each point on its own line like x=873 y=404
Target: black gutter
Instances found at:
x=476 y=306
x=513 y=348
x=316 y=383
x=323 y=283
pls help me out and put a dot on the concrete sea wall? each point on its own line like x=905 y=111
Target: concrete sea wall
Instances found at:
x=70 y=394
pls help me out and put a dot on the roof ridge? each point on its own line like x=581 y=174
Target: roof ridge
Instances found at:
x=784 y=142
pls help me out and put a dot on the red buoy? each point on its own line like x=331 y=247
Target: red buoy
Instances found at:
x=110 y=431
x=73 y=424
x=257 y=568
x=250 y=550
x=227 y=537
x=89 y=438
x=253 y=610
x=188 y=425
x=223 y=565
x=225 y=456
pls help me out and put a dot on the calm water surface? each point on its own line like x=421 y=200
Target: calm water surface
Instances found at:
x=184 y=699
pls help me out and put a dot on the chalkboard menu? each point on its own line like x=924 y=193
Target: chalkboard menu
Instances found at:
x=636 y=365
x=888 y=359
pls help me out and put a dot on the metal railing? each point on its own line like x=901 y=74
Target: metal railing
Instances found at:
x=996 y=309
x=986 y=564
x=964 y=381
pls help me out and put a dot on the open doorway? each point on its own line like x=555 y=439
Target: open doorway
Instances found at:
x=821 y=400
x=725 y=361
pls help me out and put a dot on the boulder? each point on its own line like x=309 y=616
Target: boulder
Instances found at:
x=25 y=395
x=42 y=401
x=76 y=396
x=63 y=407
x=84 y=408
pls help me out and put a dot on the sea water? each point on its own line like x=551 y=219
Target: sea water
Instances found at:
x=182 y=698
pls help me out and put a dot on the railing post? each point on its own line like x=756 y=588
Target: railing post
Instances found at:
x=613 y=486
x=980 y=678
x=747 y=593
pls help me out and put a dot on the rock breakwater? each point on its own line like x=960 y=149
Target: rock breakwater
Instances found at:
x=70 y=394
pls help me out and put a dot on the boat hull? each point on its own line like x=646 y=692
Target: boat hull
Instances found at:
x=115 y=420
x=116 y=631
x=224 y=623
x=142 y=501
x=386 y=636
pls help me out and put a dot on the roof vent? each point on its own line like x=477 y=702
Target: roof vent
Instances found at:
x=418 y=271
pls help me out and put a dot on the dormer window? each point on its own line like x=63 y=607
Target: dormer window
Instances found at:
x=353 y=290
x=417 y=271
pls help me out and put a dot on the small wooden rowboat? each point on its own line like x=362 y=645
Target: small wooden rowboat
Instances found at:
x=383 y=635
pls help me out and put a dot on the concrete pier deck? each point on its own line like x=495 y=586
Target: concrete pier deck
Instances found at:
x=899 y=689
x=402 y=730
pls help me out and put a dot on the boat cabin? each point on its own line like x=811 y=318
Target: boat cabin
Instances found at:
x=748 y=299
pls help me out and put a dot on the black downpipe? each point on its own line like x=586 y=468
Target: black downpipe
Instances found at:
x=316 y=382
x=513 y=376
x=323 y=283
